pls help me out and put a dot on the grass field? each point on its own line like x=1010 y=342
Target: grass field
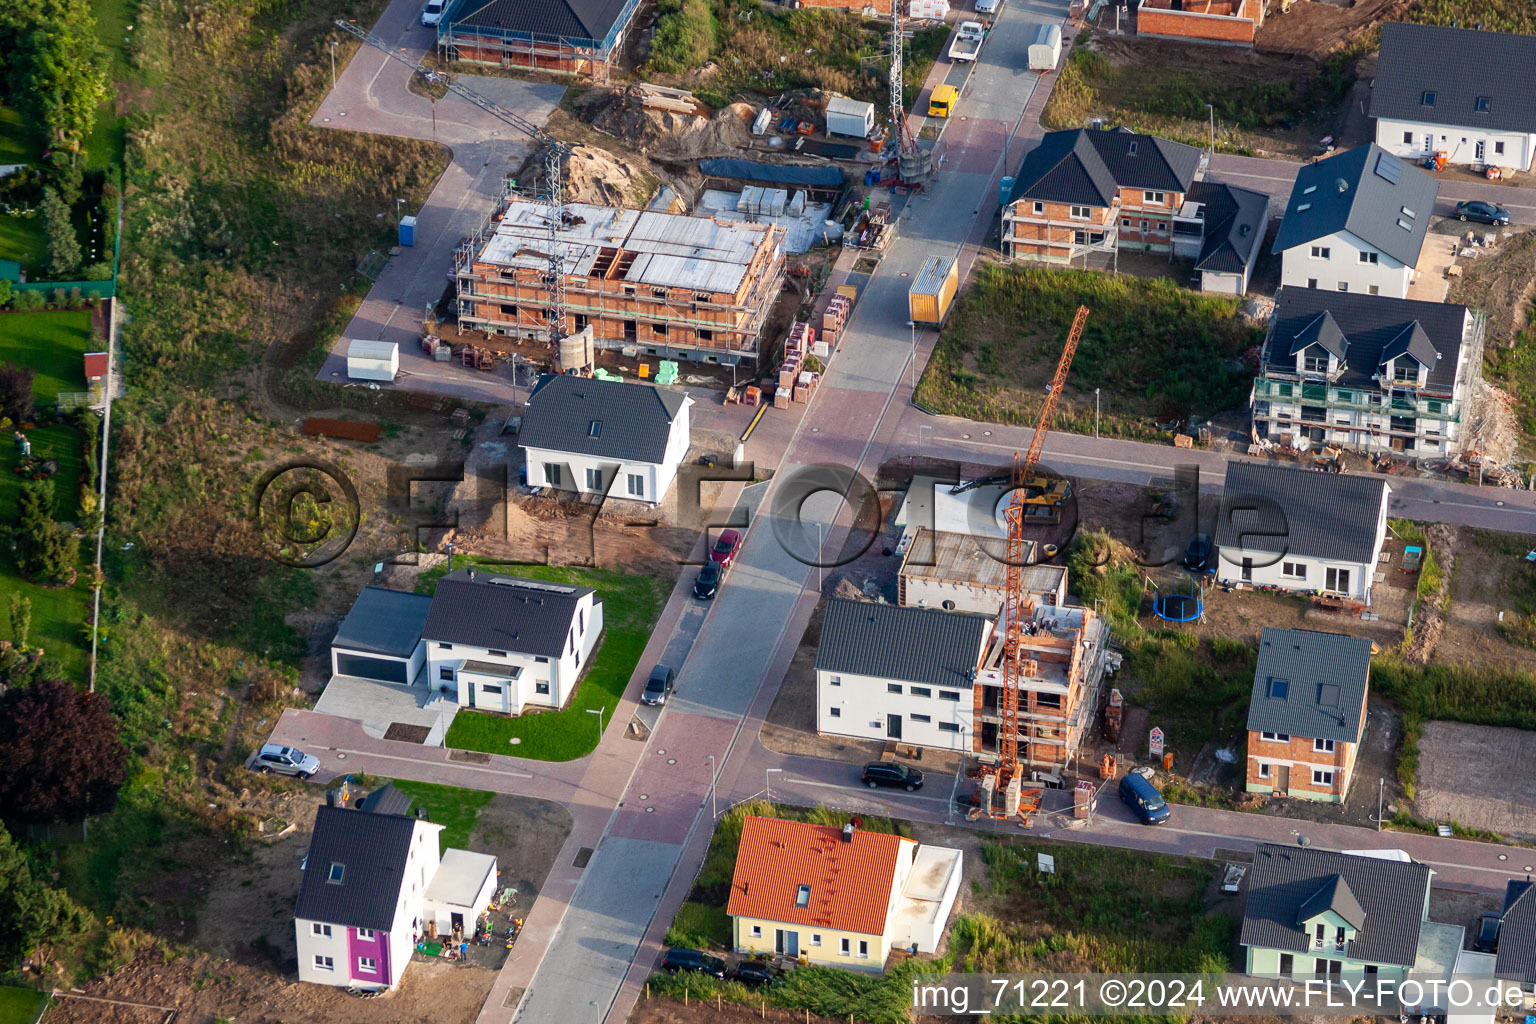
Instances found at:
x=60 y=442
x=58 y=616
x=631 y=605
x=20 y=1005
x=52 y=343
x=454 y=808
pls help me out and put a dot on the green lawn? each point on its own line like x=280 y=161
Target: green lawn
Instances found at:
x=454 y=808
x=20 y=1005
x=61 y=443
x=58 y=616
x=17 y=144
x=631 y=605
x=22 y=239
x=53 y=344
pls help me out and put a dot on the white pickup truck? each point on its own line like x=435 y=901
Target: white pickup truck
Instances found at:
x=968 y=39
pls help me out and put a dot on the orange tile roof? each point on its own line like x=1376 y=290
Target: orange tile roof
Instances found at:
x=850 y=882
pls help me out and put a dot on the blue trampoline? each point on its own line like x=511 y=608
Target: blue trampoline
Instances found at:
x=1178 y=606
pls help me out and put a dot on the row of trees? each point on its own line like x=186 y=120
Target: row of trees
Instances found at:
x=46 y=551
x=56 y=71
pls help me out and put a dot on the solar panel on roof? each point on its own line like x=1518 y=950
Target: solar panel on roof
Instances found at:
x=1388 y=167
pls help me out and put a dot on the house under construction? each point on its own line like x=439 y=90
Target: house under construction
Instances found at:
x=583 y=38
x=661 y=284
x=1062 y=657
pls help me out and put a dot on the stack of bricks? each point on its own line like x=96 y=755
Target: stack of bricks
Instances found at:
x=832 y=323
x=796 y=347
x=805 y=385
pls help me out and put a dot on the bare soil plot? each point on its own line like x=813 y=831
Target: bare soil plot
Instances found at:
x=1491 y=579
x=1478 y=776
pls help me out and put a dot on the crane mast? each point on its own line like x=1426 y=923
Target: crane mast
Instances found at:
x=1015 y=607
x=555 y=154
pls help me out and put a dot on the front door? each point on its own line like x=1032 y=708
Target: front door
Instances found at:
x=457 y=920
x=471 y=694
x=1429 y=143
x=786 y=942
x=1482 y=148
x=1282 y=779
x=1338 y=581
x=893 y=727
x=1248 y=570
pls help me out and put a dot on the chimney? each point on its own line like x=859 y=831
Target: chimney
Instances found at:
x=330 y=798
x=848 y=832
x=471 y=573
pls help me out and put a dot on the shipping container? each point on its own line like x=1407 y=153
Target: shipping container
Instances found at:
x=850 y=117
x=1045 y=51
x=372 y=360
x=933 y=290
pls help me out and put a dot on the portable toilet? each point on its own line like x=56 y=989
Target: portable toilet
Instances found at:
x=933 y=290
x=372 y=360
x=407 y=230
x=1005 y=189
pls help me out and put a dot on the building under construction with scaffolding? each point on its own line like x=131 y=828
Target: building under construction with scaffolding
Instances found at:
x=584 y=38
x=659 y=284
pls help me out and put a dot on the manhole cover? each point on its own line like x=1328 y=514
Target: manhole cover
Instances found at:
x=1503 y=856
x=815 y=430
x=986 y=433
x=341 y=757
x=645 y=796
x=966 y=436
x=650 y=810
x=671 y=760
x=663 y=750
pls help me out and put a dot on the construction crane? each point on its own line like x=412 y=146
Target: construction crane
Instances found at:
x=905 y=143
x=555 y=155
x=1007 y=773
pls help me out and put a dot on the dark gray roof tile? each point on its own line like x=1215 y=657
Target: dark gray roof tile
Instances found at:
x=887 y=641
x=1334 y=896
x=1390 y=894
x=503 y=613
x=384 y=621
x=571 y=19
x=1366 y=192
x=1089 y=167
x=633 y=421
x=1271 y=508
x=372 y=850
x=1235 y=219
x=1459 y=66
x=1310 y=684
x=1370 y=323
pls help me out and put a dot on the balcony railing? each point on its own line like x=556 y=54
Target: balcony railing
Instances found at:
x=1272 y=391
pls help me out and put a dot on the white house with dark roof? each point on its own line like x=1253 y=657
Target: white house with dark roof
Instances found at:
x=375 y=881
x=884 y=672
x=504 y=643
x=1299 y=530
x=1368 y=372
x=1355 y=222
x=595 y=436
x=380 y=638
x=1221 y=227
x=1458 y=91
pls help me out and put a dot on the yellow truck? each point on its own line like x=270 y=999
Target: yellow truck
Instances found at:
x=933 y=290
x=941 y=102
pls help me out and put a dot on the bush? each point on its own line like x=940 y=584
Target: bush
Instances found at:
x=63 y=245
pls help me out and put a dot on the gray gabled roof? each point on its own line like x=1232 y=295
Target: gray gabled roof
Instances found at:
x=1377 y=197
x=1322 y=330
x=1266 y=507
x=1235 y=219
x=914 y=645
x=602 y=418
x=503 y=613
x=372 y=851
x=386 y=800
x=384 y=621
x=1089 y=167
x=1459 y=66
x=1390 y=895
x=1334 y=896
x=1310 y=684
x=1370 y=323
x=1411 y=340
x=1517 y=933
x=569 y=19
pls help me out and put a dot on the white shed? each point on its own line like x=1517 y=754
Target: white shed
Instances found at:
x=850 y=117
x=460 y=892
x=372 y=360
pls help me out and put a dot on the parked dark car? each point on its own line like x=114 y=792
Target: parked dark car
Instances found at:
x=1144 y=800
x=889 y=773
x=1483 y=213
x=708 y=583
x=694 y=962
x=1485 y=933
x=755 y=973
x=726 y=546
x=659 y=687
x=1197 y=556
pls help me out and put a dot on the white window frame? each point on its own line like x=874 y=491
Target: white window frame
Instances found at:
x=636 y=484
x=863 y=949
x=1275 y=737
x=324 y=963
x=1038 y=208
x=835 y=680
x=366 y=934
x=1322 y=777
x=368 y=964
x=1294 y=570
x=1263 y=769
x=1079 y=213
x=1322 y=252
x=844 y=947
x=815 y=938
x=835 y=712
x=1155 y=198
x=594 y=478
x=757 y=931
x=1322 y=746
x=1367 y=256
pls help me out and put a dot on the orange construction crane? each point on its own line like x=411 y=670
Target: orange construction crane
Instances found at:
x=1014 y=602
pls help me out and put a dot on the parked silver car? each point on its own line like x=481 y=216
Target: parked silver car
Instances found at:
x=285 y=761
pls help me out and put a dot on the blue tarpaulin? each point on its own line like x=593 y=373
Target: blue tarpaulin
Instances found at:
x=776 y=174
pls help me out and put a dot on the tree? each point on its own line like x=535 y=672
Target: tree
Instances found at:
x=36 y=504
x=31 y=912
x=16 y=392
x=47 y=552
x=57 y=69
x=63 y=244
x=5 y=290
x=21 y=619
x=64 y=759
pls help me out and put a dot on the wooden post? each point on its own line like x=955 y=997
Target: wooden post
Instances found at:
x=762 y=1009
x=685 y=999
x=648 y=993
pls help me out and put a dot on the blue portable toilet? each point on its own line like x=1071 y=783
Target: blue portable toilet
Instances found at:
x=1004 y=189
x=407 y=230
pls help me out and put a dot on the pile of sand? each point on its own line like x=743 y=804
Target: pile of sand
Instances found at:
x=596 y=176
x=669 y=135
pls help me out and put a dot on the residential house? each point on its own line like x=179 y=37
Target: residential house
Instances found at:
x=380 y=638
x=1221 y=227
x=842 y=898
x=1368 y=373
x=1306 y=715
x=604 y=437
x=1085 y=193
x=1322 y=914
x=374 y=883
x=1451 y=91
x=1356 y=223
x=505 y=643
x=1516 y=953
x=1299 y=530
x=581 y=38
x=884 y=672
x=964 y=573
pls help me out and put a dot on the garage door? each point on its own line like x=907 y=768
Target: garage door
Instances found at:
x=365 y=667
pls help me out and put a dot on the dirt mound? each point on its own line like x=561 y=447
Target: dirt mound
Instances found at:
x=1500 y=283
x=667 y=134
x=1492 y=428
x=596 y=176
x=1318 y=29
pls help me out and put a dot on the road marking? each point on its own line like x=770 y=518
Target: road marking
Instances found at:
x=456 y=764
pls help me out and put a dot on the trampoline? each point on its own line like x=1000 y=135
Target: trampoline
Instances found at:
x=1177 y=607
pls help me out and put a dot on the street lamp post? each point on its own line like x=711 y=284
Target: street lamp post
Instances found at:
x=450 y=556
x=714 y=777
x=1095 y=412
x=599 y=714
x=768 y=774
x=913 y=325
x=333 y=63
x=1381 y=785
x=819 y=580
x=1212 y=111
